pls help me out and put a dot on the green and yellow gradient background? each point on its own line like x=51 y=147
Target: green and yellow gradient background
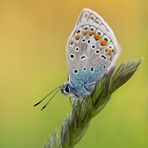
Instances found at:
x=33 y=36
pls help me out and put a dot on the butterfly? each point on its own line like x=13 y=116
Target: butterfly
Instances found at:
x=92 y=49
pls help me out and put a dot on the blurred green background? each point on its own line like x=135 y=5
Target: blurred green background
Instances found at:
x=33 y=36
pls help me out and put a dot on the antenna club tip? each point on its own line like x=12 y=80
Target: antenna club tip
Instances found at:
x=42 y=109
x=38 y=103
x=34 y=105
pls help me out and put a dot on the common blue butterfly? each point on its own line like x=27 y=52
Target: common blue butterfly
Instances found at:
x=91 y=50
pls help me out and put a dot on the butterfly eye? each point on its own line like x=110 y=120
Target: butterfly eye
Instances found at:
x=75 y=71
x=72 y=56
x=67 y=89
x=104 y=67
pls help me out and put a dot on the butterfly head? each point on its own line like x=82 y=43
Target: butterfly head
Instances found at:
x=66 y=88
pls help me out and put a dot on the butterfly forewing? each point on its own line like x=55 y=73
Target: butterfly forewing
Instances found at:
x=91 y=49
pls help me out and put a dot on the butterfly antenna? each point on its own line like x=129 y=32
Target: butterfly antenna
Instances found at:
x=50 y=99
x=46 y=96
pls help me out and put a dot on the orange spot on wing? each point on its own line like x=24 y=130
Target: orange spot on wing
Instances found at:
x=91 y=33
x=106 y=50
x=77 y=37
x=110 y=53
x=97 y=36
x=84 y=32
x=103 y=42
x=71 y=42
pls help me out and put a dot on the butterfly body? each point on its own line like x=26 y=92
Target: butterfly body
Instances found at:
x=91 y=50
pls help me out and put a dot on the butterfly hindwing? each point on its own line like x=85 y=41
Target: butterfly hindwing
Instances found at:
x=91 y=49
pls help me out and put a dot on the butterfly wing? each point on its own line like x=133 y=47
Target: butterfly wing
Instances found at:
x=91 y=49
